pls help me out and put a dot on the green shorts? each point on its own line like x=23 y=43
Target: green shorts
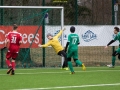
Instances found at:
x=72 y=53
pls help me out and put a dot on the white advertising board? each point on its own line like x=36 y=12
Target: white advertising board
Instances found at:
x=94 y=35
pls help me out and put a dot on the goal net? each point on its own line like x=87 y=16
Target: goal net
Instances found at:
x=34 y=22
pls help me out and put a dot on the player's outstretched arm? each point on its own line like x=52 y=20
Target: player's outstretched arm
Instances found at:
x=106 y=47
x=64 y=29
x=60 y=33
x=44 y=45
x=6 y=42
x=110 y=43
x=39 y=45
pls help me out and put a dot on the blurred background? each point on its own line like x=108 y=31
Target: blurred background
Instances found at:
x=77 y=12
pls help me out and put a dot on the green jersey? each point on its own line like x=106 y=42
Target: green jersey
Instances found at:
x=117 y=37
x=73 y=40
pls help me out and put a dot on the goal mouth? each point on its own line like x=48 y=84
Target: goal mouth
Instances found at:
x=34 y=22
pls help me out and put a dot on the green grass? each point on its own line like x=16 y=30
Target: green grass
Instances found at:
x=54 y=77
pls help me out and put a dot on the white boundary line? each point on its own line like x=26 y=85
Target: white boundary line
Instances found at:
x=53 y=68
x=81 y=86
x=63 y=72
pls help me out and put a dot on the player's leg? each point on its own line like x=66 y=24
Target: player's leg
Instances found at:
x=69 y=55
x=13 y=66
x=75 y=57
x=78 y=62
x=70 y=66
x=114 y=58
x=62 y=53
x=118 y=50
x=8 y=62
x=14 y=55
x=119 y=56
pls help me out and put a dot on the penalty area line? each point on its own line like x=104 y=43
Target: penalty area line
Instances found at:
x=81 y=86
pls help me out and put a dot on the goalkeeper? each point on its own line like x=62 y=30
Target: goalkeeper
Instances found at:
x=54 y=42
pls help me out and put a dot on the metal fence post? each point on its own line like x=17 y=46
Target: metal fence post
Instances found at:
x=76 y=12
x=113 y=20
x=114 y=16
x=43 y=35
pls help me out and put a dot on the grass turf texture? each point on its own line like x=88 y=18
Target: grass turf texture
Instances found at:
x=50 y=78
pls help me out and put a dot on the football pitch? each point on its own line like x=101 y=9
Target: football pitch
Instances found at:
x=94 y=78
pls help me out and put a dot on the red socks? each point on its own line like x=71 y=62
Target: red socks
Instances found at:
x=8 y=63
x=13 y=65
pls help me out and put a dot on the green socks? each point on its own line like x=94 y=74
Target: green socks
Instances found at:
x=113 y=60
x=70 y=66
x=78 y=62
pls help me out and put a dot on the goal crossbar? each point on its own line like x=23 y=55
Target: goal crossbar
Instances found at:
x=42 y=7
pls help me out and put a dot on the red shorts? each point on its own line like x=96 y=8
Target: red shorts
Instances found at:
x=11 y=55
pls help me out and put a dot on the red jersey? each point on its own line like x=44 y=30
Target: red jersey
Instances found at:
x=14 y=39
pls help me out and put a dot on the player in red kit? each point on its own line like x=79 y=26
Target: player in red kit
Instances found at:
x=14 y=39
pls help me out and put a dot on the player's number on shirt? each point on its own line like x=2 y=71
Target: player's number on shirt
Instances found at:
x=74 y=40
x=13 y=40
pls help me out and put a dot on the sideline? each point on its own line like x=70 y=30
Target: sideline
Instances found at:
x=94 y=85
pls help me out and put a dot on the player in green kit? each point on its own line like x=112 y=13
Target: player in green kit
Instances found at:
x=117 y=51
x=72 y=44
